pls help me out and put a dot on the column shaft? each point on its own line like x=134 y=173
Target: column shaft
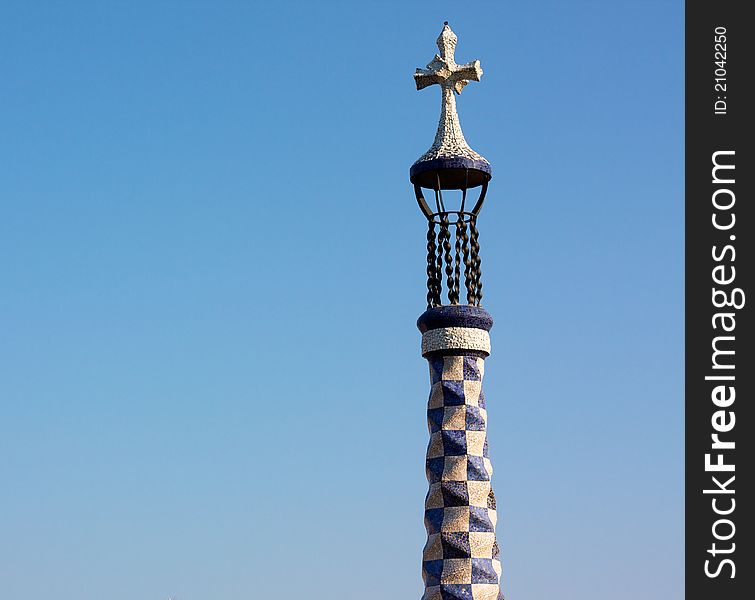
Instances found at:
x=461 y=557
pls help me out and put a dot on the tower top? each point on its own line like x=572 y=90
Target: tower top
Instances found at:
x=449 y=163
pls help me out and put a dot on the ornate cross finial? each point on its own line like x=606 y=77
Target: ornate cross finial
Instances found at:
x=450 y=149
x=443 y=69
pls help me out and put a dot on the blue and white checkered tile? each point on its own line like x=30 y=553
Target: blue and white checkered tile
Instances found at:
x=461 y=560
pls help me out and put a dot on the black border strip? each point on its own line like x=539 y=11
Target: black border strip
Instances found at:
x=719 y=392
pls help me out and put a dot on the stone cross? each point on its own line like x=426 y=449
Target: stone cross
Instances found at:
x=443 y=69
x=449 y=140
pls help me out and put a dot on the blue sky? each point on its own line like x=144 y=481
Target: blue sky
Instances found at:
x=212 y=262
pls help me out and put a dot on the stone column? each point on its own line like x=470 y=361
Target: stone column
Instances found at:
x=461 y=558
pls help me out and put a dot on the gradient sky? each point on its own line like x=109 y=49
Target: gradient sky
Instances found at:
x=211 y=264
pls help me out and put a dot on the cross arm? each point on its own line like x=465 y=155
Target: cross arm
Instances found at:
x=463 y=74
x=472 y=71
x=424 y=78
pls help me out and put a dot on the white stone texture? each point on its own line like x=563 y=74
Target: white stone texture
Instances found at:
x=455 y=338
x=443 y=70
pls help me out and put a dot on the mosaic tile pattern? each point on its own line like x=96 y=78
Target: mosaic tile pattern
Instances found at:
x=449 y=141
x=461 y=559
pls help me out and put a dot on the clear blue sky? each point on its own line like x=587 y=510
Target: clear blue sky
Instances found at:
x=211 y=266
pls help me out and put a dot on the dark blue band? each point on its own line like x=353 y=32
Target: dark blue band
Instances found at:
x=454 y=162
x=455 y=315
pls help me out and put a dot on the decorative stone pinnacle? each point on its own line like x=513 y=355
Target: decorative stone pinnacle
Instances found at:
x=461 y=559
x=450 y=149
